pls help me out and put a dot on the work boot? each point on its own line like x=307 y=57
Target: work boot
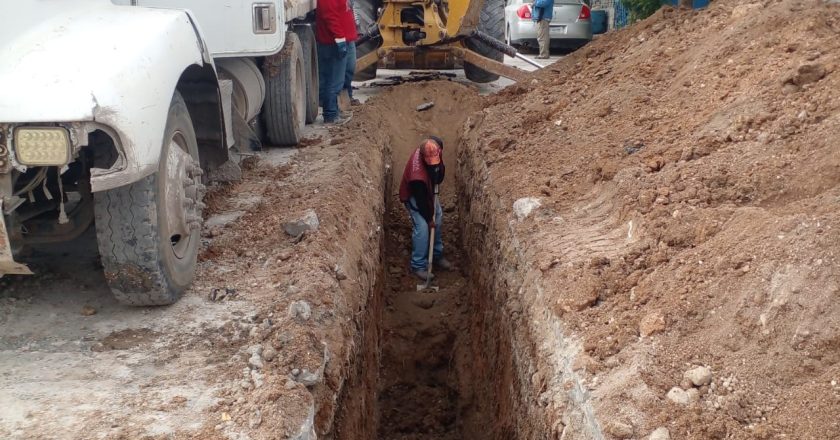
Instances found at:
x=340 y=120
x=423 y=274
x=443 y=263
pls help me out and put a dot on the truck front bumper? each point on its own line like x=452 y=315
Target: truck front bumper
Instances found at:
x=8 y=266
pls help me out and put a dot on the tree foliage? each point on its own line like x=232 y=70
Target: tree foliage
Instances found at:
x=641 y=9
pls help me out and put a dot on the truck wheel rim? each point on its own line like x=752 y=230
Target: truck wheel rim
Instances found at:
x=180 y=197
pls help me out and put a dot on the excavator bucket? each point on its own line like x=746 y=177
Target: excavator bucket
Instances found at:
x=8 y=266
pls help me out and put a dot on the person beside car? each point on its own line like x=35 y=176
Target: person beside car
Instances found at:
x=542 y=13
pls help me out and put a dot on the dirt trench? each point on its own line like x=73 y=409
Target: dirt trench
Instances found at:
x=441 y=368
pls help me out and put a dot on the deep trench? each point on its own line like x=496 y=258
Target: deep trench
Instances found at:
x=432 y=365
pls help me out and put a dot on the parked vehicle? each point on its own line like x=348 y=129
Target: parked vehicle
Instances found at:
x=119 y=110
x=570 y=28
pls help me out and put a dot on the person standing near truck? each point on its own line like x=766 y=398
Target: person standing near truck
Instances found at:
x=543 y=12
x=423 y=173
x=335 y=30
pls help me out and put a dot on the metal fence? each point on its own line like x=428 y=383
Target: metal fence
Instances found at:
x=618 y=15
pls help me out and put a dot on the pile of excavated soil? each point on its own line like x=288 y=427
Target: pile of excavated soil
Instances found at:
x=687 y=172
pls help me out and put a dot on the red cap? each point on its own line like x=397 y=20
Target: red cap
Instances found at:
x=430 y=152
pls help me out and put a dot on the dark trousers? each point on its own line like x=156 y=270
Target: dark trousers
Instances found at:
x=331 y=71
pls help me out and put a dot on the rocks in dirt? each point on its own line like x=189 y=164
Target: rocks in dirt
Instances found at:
x=223 y=219
x=285 y=254
x=255 y=361
x=805 y=74
x=620 y=430
x=660 y=433
x=699 y=376
x=307 y=223
x=651 y=324
x=425 y=106
x=424 y=302
x=523 y=207
x=679 y=396
x=255 y=420
x=340 y=275
x=219 y=294
x=309 y=378
x=300 y=310
x=88 y=311
x=269 y=353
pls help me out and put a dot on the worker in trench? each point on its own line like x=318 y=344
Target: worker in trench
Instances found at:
x=423 y=173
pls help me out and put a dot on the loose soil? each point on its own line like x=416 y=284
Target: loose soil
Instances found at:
x=687 y=175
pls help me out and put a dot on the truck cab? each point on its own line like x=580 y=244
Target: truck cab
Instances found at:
x=117 y=113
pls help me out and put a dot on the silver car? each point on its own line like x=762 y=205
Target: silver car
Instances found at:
x=570 y=28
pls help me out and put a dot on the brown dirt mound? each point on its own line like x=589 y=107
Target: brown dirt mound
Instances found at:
x=689 y=175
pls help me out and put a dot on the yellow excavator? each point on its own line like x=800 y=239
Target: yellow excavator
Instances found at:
x=434 y=35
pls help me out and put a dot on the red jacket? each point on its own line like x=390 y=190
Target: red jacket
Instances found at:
x=334 y=19
x=417 y=182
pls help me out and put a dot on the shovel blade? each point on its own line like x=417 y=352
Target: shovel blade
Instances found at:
x=425 y=287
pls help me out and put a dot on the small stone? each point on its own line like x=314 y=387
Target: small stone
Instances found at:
x=425 y=106
x=290 y=384
x=693 y=394
x=308 y=378
x=678 y=396
x=523 y=207
x=255 y=361
x=660 y=433
x=620 y=430
x=309 y=222
x=300 y=310
x=269 y=353
x=88 y=311
x=285 y=254
x=424 y=302
x=651 y=324
x=339 y=273
x=255 y=419
x=699 y=376
x=295 y=372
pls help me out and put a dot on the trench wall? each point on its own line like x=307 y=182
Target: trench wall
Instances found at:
x=523 y=362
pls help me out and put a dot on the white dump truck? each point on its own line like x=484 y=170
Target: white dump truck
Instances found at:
x=117 y=112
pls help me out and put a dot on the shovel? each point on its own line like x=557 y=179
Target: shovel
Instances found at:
x=427 y=286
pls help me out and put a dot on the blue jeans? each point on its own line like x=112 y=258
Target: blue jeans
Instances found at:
x=350 y=64
x=331 y=68
x=420 y=236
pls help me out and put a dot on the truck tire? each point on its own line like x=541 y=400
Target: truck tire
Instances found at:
x=310 y=64
x=491 y=22
x=149 y=231
x=365 y=14
x=284 y=112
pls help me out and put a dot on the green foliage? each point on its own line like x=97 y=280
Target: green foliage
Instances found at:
x=641 y=9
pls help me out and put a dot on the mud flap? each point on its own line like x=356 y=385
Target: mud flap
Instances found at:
x=8 y=266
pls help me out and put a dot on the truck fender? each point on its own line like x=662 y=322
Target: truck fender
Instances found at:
x=116 y=66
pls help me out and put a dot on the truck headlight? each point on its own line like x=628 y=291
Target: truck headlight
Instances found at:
x=42 y=146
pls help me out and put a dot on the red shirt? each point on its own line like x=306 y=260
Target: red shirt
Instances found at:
x=334 y=19
x=415 y=171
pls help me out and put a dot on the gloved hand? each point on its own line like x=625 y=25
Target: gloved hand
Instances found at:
x=341 y=47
